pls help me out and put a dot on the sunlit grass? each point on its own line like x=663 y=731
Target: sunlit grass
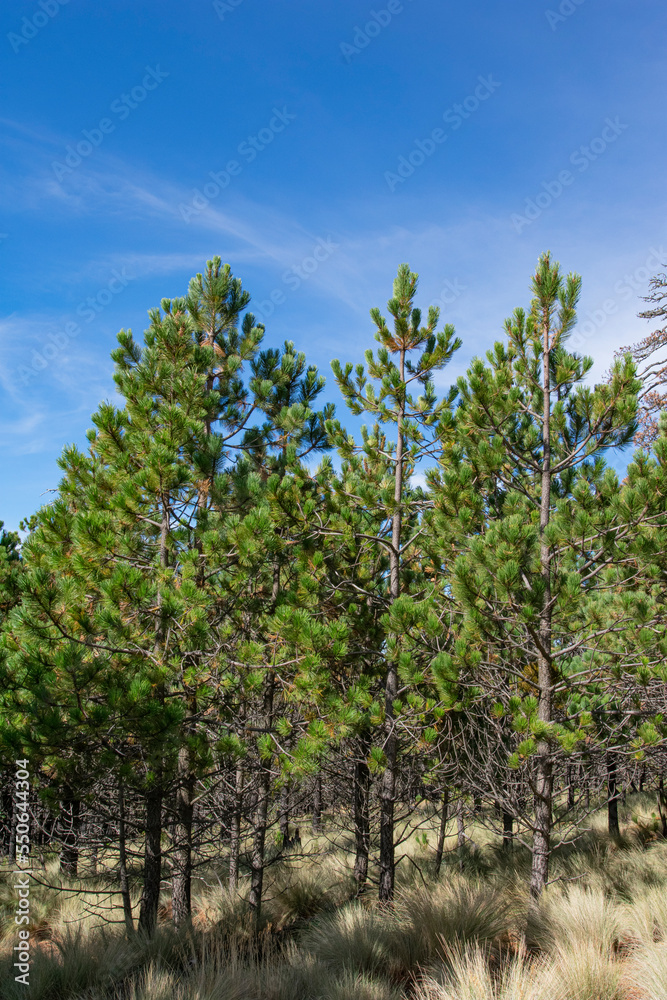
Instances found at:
x=599 y=932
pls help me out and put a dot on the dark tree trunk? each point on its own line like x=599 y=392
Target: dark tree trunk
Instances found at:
x=181 y=885
x=182 y=852
x=460 y=831
x=152 y=861
x=284 y=811
x=662 y=805
x=235 y=830
x=317 y=805
x=259 y=840
x=442 y=829
x=570 y=789
x=261 y=813
x=12 y=836
x=508 y=831
x=362 y=780
x=122 y=851
x=612 y=797
x=70 y=824
x=388 y=793
x=542 y=798
x=7 y=817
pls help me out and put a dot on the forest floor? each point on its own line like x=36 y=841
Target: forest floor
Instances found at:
x=599 y=931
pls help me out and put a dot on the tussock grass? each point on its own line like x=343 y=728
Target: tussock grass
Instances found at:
x=586 y=972
x=354 y=939
x=598 y=933
x=646 y=973
x=469 y=976
x=573 y=916
x=645 y=919
x=428 y=924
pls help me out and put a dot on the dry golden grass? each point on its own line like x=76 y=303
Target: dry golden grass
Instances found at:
x=598 y=933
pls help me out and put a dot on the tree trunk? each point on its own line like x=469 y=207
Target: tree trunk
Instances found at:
x=662 y=805
x=12 y=835
x=508 y=831
x=570 y=789
x=612 y=797
x=70 y=823
x=388 y=783
x=543 y=784
x=362 y=835
x=317 y=805
x=235 y=830
x=152 y=861
x=460 y=831
x=122 y=851
x=259 y=840
x=284 y=812
x=181 y=885
x=442 y=829
x=7 y=821
x=261 y=813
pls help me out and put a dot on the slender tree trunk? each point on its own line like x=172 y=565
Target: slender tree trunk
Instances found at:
x=362 y=833
x=154 y=795
x=12 y=836
x=259 y=840
x=181 y=886
x=152 y=860
x=570 y=789
x=508 y=831
x=261 y=813
x=543 y=773
x=70 y=824
x=442 y=830
x=612 y=797
x=460 y=830
x=284 y=811
x=235 y=830
x=662 y=805
x=7 y=822
x=317 y=805
x=122 y=850
x=389 y=778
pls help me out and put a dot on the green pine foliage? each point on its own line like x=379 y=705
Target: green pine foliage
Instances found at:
x=208 y=638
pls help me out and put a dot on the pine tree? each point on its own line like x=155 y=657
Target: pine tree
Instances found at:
x=534 y=506
x=414 y=420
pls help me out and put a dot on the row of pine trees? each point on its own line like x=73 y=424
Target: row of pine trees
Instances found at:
x=234 y=607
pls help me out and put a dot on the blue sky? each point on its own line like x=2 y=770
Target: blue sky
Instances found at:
x=314 y=147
